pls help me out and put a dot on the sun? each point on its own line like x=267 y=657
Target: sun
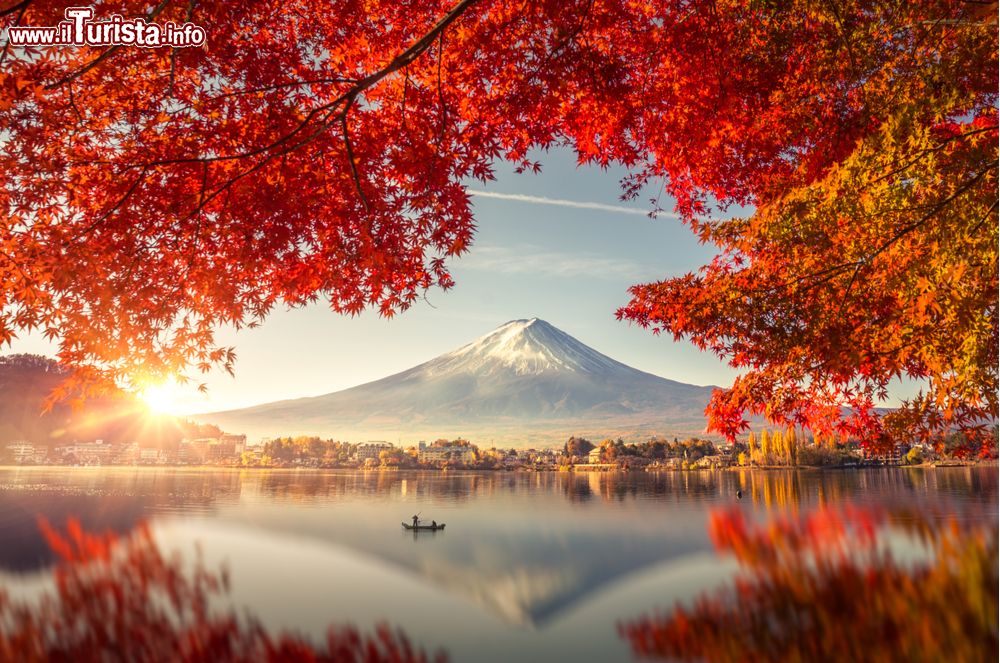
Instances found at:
x=163 y=398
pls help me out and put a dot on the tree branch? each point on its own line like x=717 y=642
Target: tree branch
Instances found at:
x=104 y=55
x=347 y=99
x=400 y=61
x=17 y=21
x=992 y=208
x=905 y=230
x=21 y=6
x=926 y=217
x=113 y=208
x=350 y=156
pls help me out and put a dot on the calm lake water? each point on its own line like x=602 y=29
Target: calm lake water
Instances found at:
x=531 y=567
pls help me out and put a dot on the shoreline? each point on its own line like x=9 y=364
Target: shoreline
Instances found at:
x=559 y=469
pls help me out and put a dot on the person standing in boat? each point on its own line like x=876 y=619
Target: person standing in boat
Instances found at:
x=415 y=521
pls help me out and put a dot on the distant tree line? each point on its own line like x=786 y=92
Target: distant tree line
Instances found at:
x=289 y=449
x=656 y=448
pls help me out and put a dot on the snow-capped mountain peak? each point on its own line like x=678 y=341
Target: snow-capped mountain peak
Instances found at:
x=524 y=347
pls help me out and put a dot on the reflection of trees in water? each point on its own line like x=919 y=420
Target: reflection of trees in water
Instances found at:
x=123 y=599
x=576 y=487
x=301 y=486
x=682 y=486
x=167 y=490
x=155 y=487
x=781 y=490
x=771 y=489
x=628 y=486
x=822 y=587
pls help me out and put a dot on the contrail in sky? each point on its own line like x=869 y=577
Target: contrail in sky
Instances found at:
x=561 y=202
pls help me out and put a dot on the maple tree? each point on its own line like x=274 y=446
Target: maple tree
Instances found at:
x=313 y=151
x=872 y=253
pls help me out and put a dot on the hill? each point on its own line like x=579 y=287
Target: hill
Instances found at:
x=27 y=380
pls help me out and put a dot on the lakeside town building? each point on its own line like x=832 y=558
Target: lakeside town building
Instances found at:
x=22 y=451
x=371 y=450
x=447 y=453
x=87 y=453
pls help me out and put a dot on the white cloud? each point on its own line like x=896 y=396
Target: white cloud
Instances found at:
x=562 y=202
x=529 y=259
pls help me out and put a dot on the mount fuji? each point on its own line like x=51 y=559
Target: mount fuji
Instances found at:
x=525 y=382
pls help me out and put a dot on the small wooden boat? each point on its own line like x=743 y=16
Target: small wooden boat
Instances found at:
x=424 y=528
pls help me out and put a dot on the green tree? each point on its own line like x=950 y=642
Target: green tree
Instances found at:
x=577 y=446
x=316 y=448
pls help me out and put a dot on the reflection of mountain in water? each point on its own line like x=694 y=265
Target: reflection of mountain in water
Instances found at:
x=528 y=576
x=533 y=582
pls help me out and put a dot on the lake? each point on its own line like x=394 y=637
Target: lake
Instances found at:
x=531 y=567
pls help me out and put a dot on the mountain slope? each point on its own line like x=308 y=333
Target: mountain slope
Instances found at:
x=524 y=379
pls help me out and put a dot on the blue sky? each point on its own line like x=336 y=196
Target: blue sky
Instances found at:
x=569 y=265
x=568 y=262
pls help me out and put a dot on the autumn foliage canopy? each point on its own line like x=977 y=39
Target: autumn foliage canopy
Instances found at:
x=842 y=157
